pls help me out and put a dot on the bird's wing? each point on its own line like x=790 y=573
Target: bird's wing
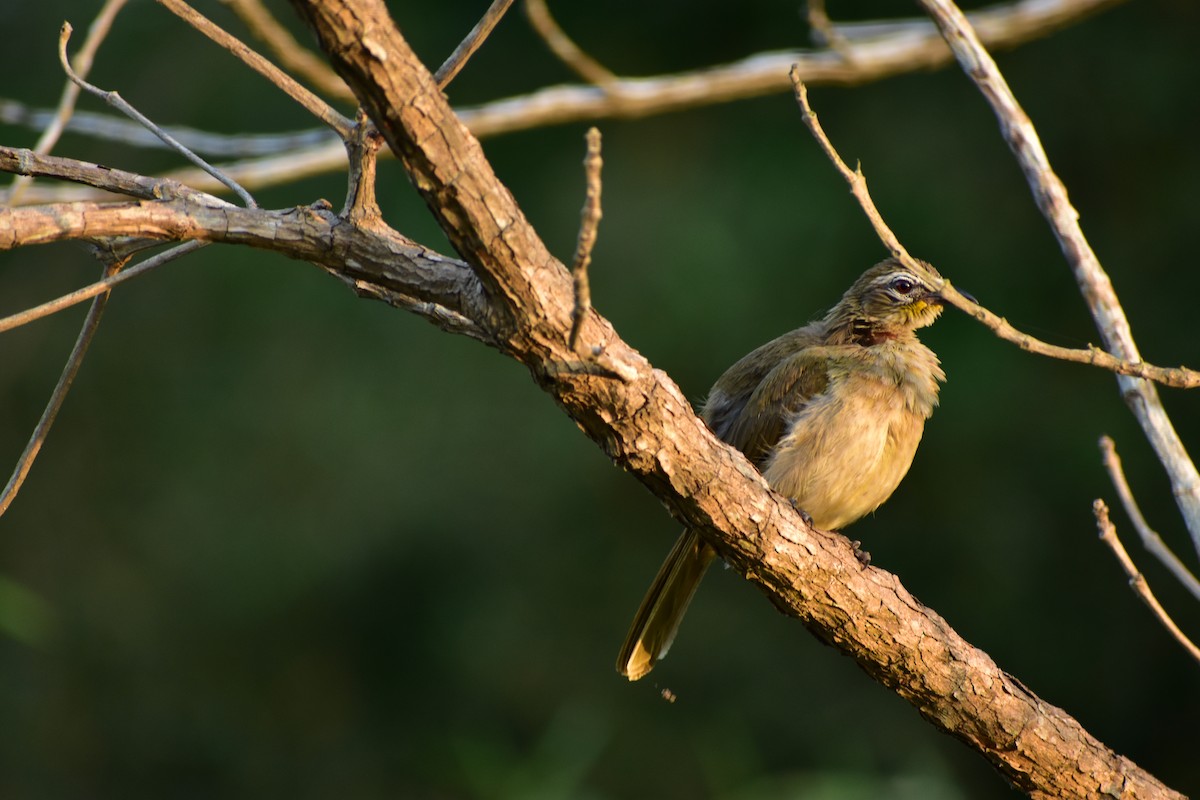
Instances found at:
x=755 y=423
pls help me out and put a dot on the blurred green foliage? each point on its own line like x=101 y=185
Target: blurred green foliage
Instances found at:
x=285 y=542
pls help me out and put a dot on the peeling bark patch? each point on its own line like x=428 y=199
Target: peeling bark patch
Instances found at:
x=376 y=49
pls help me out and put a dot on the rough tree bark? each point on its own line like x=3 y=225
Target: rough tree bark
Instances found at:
x=511 y=293
x=641 y=419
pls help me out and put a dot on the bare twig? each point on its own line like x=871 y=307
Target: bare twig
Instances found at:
x=255 y=172
x=588 y=224
x=118 y=129
x=306 y=99
x=995 y=24
x=35 y=164
x=26 y=162
x=880 y=50
x=1137 y=581
x=93 y=289
x=447 y=319
x=854 y=177
x=392 y=267
x=299 y=60
x=1177 y=377
x=82 y=63
x=114 y=99
x=1051 y=197
x=112 y=275
x=362 y=150
x=1150 y=538
x=40 y=431
x=469 y=45
x=887 y=48
x=824 y=32
x=561 y=45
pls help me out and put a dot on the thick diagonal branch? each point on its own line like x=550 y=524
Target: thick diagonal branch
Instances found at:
x=645 y=424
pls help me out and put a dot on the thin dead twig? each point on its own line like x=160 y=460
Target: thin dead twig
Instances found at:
x=119 y=129
x=255 y=172
x=26 y=162
x=82 y=63
x=116 y=101
x=588 y=225
x=1178 y=377
x=279 y=42
x=1137 y=581
x=854 y=177
x=1175 y=377
x=469 y=45
x=87 y=332
x=93 y=289
x=101 y=291
x=881 y=49
x=286 y=83
x=888 y=48
x=825 y=32
x=1051 y=197
x=561 y=45
x=1150 y=538
x=79 y=66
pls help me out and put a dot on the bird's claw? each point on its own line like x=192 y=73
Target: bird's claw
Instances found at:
x=803 y=514
x=863 y=556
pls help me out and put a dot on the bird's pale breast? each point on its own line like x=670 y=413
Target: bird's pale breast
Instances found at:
x=848 y=449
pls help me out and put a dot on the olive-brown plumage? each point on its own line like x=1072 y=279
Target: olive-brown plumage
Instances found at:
x=831 y=414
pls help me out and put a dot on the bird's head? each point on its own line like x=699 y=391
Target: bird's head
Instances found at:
x=891 y=298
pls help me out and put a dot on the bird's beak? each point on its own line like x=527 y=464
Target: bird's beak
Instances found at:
x=936 y=298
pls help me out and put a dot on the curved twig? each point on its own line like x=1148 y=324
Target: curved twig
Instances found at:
x=57 y=122
x=1177 y=377
x=579 y=62
x=279 y=42
x=1094 y=284
x=1150 y=538
x=114 y=99
x=877 y=50
x=1137 y=581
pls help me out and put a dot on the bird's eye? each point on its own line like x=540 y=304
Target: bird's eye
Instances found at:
x=903 y=285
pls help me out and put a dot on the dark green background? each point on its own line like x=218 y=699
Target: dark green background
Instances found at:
x=286 y=542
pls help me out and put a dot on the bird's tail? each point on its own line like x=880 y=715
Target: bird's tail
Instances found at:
x=662 y=608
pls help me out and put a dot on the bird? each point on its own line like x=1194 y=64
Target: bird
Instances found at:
x=830 y=413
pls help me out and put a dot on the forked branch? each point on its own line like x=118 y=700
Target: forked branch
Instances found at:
x=512 y=293
x=870 y=51
x=1094 y=284
x=1137 y=581
x=1150 y=538
x=646 y=425
x=1177 y=377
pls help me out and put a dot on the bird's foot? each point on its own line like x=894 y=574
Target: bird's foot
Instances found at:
x=863 y=556
x=803 y=514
